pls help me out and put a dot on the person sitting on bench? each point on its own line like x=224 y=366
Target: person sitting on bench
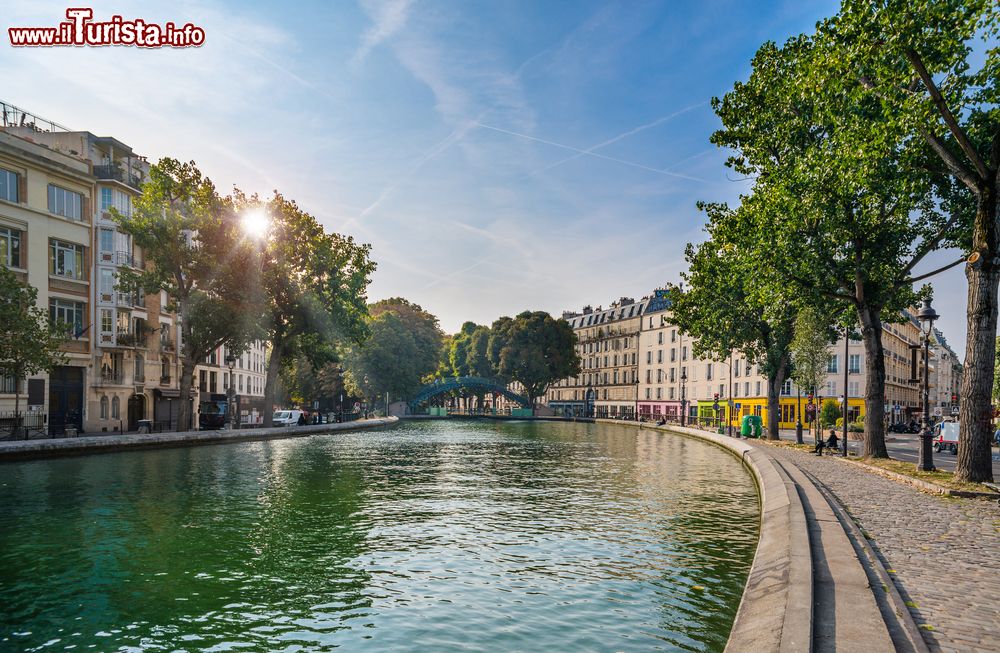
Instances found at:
x=829 y=443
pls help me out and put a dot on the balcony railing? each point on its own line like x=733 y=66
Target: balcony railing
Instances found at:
x=124 y=258
x=167 y=345
x=117 y=174
x=126 y=339
x=112 y=377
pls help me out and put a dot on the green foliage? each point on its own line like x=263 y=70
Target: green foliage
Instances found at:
x=403 y=349
x=28 y=342
x=303 y=382
x=313 y=285
x=810 y=348
x=830 y=412
x=197 y=253
x=533 y=349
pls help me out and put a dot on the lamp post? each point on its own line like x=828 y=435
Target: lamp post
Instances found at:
x=798 y=414
x=684 y=378
x=230 y=392
x=365 y=407
x=926 y=315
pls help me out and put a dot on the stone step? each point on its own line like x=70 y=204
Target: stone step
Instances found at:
x=846 y=614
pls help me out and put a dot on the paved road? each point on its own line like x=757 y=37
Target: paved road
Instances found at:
x=906 y=447
x=944 y=553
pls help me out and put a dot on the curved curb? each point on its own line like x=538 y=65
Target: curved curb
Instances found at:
x=94 y=444
x=775 y=613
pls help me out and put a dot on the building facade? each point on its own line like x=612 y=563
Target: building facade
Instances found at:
x=672 y=382
x=45 y=238
x=608 y=345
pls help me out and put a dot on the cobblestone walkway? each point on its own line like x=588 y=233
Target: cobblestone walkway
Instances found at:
x=945 y=552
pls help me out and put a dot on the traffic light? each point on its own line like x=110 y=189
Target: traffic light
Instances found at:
x=954 y=399
x=716 y=396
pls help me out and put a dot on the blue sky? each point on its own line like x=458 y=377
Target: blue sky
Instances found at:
x=498 y=155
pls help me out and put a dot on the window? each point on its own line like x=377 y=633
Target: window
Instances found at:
x=659 y=355
x=649 y=357
x=107 y=280
x=673 y=375
x=65 y=259
x=670 y=393
x=708 y=372
x=648 y=393
x=736 y=367
x=746 y=389
x=107 y=240
x=659 y=339
x=140 y=368
x=832 y=365
x=831 y=388
x=115 y=408
x=659 y=393
x=673 y=354
x=786 y=387
x=104 y=407
x=684 y=353
x=107 y=322
x=852 y=389
x=8 y=185
x=65 y=203
x=10 y=247
x=107 y=199
x=165 y=369
x=854 y=364
x=757 y=388
x=68 y=312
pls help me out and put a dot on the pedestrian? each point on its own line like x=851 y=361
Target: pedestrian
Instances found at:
x=302 y=419
x=829 y=443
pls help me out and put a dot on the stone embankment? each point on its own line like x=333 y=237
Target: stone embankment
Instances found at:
x=815 y=584
x=88 y=444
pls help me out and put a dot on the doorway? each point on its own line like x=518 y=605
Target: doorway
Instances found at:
x=65 y=399
x=136 y=411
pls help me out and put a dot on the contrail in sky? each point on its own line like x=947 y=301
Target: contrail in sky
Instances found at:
x=658 y=171
x=611 y=141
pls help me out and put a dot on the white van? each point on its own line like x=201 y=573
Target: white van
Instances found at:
x=286 y=417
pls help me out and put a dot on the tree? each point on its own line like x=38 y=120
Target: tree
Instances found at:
x=734 y=302
x=29 y=343
x=830 y=412
x=459 y=349
x=314 y=285
x=533 y=349
x=917 y=59
x=197 y=253
x=403 y=348
x=477 y=359
x=833 y=210
x=811 y=348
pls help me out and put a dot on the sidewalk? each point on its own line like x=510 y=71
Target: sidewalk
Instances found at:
x=942 y=552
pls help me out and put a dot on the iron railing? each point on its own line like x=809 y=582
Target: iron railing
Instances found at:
x=116 y=173
x=22 y=426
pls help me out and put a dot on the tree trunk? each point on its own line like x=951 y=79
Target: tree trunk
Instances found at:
x=273 y=369
x=774 y=384
x=184 y=412
x=975 y=406
x=871 y=335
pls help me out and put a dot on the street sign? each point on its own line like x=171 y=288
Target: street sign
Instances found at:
x=716 y=406
x=937 y=412
x=954 y=411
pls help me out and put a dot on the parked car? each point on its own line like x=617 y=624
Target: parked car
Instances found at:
x=946 y=437
x=286 y=417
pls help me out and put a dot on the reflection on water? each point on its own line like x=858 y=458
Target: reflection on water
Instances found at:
x=432 y=536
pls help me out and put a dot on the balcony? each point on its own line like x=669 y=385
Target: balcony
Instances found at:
x=164 y=380
x=167 y=345
x=131 y=340
x=126 y=258
x=115 y=173
x=112 y=377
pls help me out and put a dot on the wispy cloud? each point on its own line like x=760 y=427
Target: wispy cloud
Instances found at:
x=390 y=16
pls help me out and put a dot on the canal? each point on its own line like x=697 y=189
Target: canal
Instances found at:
x=431 y=536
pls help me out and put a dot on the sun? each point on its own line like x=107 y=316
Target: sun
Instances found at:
x=256 y=222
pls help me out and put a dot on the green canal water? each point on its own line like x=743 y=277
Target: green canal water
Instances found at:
x=430 y=536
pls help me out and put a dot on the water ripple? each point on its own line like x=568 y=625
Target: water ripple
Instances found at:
x=443 y=536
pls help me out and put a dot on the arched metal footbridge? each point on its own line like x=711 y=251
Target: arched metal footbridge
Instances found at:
x=474 y=384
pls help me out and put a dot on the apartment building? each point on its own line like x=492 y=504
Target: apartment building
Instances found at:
x=45 y=238
x=248 y=375
x=672 y=381
x=946 y=379
x=608 y=345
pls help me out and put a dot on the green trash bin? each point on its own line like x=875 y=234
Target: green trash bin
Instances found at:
x=746 y=428
x=758 y=425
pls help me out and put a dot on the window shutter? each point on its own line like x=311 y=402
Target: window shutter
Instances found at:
x=85 y=208
x=22 y=189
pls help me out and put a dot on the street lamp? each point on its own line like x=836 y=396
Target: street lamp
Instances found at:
x=926 y=315
x=230 y=392
x=798 y=414
x=365 y=407
x=684 y=378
